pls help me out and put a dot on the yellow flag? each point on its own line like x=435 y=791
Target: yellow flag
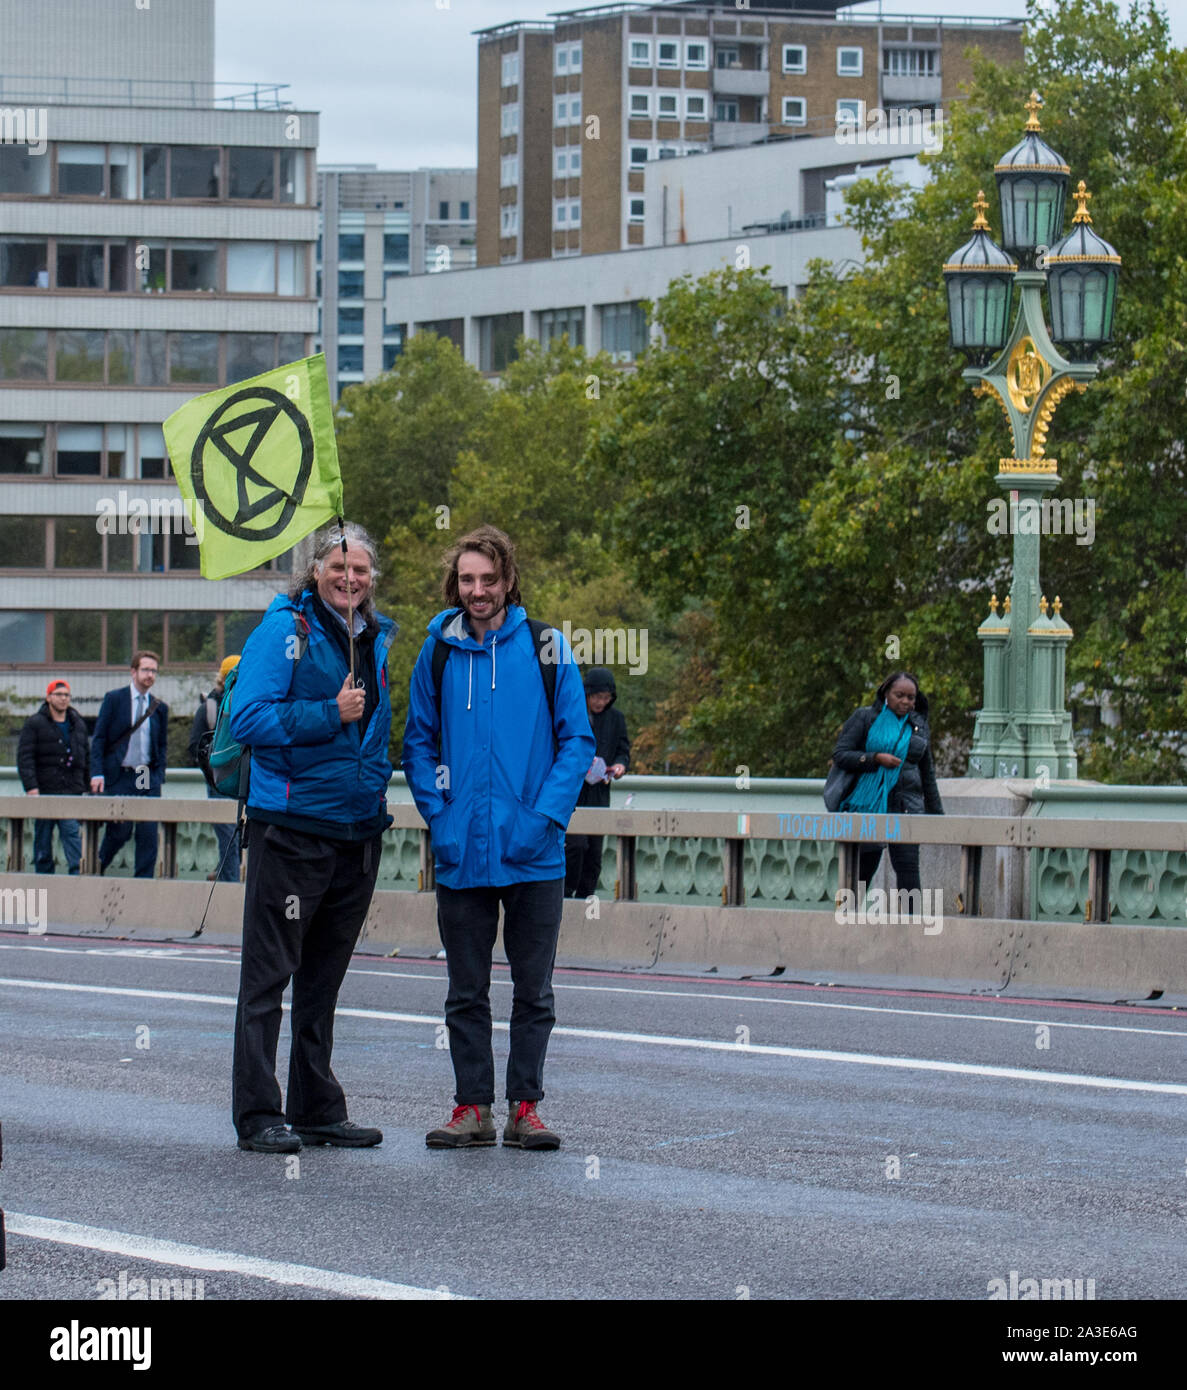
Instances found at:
x=258 y=465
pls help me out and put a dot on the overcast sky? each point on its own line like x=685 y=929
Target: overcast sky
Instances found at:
x=395 y=80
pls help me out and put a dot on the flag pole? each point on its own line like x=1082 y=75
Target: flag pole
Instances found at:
x=349 y=601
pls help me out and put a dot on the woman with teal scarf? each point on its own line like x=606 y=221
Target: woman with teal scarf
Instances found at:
x=888 y=746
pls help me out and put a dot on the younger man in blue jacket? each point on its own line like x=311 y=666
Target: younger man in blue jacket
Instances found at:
x=316 y=811
x=495 y=773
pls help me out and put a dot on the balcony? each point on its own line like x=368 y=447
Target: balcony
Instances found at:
x=740 y=132
x=741 y=82
x=914 y=91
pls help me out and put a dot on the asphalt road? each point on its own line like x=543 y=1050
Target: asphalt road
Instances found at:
x=722 y=1140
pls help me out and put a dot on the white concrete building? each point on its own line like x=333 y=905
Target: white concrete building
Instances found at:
x=155 y=242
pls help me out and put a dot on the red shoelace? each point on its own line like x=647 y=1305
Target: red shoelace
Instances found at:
x=527 y=1111
x=459 y=1114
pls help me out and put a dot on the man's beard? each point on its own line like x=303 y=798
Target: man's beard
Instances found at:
x=488 y=617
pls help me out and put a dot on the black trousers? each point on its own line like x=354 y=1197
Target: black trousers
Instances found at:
x=904 y=859
x=117 y=833
x=305 y=901
x=468 y=920
x=583 y=864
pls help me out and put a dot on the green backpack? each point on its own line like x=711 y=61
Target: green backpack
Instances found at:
x=225 y=762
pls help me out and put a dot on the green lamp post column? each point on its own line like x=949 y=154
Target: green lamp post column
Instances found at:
x=1024 y=729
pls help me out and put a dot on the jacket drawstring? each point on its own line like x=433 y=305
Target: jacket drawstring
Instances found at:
x=494 y=642
x=470 y=682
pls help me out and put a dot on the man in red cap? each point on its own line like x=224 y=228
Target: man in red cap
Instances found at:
x=54 y=759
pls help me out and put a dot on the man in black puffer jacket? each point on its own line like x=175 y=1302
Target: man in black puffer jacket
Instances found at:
x=583 y=853
x=915 y=792
x=54 y=759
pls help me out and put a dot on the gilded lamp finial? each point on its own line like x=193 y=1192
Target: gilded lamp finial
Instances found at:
x=993 y=605
x=1058 y=604
x=1043 y=605
x=980 y=206
x=1082 y=195
x=1006 y=605
x=1033 y=106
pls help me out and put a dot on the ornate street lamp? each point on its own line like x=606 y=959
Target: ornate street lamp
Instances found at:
x=1082 y=285
x=980 y=283
x=1023 y=729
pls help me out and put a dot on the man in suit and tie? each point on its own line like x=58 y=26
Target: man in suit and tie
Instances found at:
x=128 y=751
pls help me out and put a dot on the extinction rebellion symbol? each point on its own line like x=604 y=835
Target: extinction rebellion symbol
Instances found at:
x=253 y=418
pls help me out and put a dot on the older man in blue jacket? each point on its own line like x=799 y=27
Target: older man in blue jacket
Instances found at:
x=495 y=750
x=316 y=811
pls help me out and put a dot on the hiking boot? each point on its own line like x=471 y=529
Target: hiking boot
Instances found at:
x=343 y=1135
x=469 y=1126
x=526 y=1130
x=275 y=1139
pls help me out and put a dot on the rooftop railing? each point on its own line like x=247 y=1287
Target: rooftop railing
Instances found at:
x=16 y=90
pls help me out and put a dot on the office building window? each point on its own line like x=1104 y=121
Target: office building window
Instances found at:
x=23 y=354
x=508 y=171
x=849 y=62
x=509 y=220
x=80 y=170
x=350 y=246
x=696 y=56
x=795 y=58
x=555 y=323
x=193 y=357
x=509 y=120
x=496 y=341
x=80 y=452
x=251 y=268
x=624 y=330
x=24 y=263
x=251 y=174
x=80 y=265
x=464 y=211
x=23 y=540
x=78 y=543
x=249 y=354
x=725 y=111
x=193 y=171
x=22 y=449
x=395 y=247
x=638 y=159
x=641 y=104
x=510 y=73
x=636 y=209
x=23 y=173
x=567 y=163
x=350 y=321
x=668 y=107
x=78 y=354
x=849 y=110
x=350 y=284
x=640 y=53
x=442 y=211
x=391 y=351
x=667 y=54
x=292 y=176
x=22 y=636
x=350 y=357
x=727 y=56
x=566 y=212
x=194 y=266
x=696 y=108
x=794 y=111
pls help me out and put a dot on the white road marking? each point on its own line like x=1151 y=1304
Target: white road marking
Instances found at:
x=666 y=993
x=170 y=1252
x=1107 y=1083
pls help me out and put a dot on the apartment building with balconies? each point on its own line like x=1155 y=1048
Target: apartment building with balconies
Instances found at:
x=157 y=235
x=572 y=113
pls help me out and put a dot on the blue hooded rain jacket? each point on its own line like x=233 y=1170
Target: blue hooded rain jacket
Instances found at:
x=306 y=765
x=498 y=807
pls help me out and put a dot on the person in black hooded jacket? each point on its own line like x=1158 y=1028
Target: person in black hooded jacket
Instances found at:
x=54 y=759
x=583 y=853
x=888 y=745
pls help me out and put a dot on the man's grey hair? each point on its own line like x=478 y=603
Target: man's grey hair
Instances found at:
x=329 y=540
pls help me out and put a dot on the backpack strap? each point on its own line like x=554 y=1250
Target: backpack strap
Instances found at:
x=211 y=711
